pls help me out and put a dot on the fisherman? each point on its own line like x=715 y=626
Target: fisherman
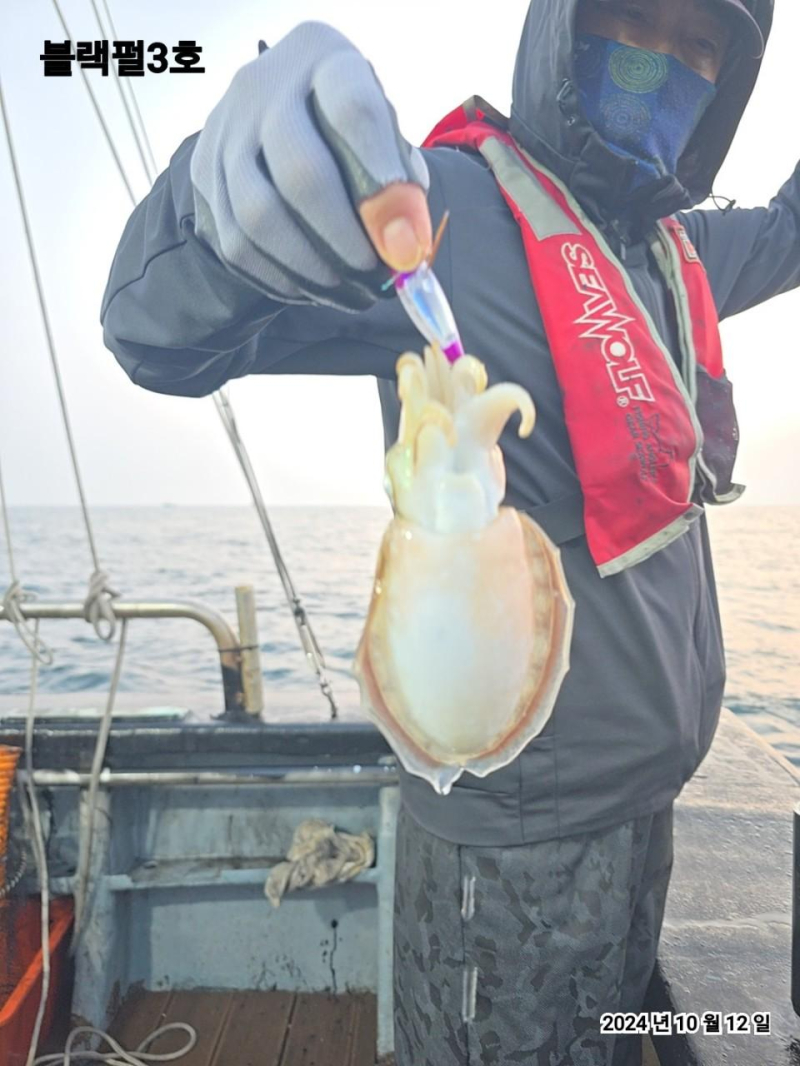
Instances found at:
x=528 y=903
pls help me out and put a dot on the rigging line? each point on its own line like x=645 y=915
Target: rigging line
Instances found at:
x=307 y=637
x=99 y=113
x=133 y=94
x=33 y=821
x=45 y=318
x=124 y=98
x=98 y=606
x=85 y=859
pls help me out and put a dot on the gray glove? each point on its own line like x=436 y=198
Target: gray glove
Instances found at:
x=302 y=136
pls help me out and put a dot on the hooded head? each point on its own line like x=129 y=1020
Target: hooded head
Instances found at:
x=549 y=120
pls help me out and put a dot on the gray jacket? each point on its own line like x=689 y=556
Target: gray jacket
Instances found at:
x=640 y=704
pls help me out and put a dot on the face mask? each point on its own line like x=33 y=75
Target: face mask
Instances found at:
x=645 y=105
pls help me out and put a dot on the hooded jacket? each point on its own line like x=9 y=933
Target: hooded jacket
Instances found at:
x=640 y=704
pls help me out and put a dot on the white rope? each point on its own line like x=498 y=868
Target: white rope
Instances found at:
x=98 y=112
x=101 y=607
x=118 y=1056
x=131 y=81
x=104 y=35
x=98 y=600
x=34 y=826
x=97 y=607
x=12 y=598
x=84 y=862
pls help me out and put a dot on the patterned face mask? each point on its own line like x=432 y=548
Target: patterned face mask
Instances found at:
x=644 y=104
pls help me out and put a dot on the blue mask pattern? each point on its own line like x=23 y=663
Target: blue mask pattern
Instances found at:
x=645 y=105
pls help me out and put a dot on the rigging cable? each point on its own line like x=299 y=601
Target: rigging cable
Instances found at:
x=118 y=80
x=308 y=639
x=33 y=823
x=148 y=146
x=97 y=606
x=98 y=609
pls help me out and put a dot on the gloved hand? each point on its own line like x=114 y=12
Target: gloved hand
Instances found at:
x=297 y=153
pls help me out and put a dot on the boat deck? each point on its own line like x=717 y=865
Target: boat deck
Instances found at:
x=255 y=1028
x=251 y=1028
x=260 y=1028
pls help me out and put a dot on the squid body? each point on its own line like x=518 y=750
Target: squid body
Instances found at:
x=467 y=637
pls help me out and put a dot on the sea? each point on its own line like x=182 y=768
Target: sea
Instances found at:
x=201 y=554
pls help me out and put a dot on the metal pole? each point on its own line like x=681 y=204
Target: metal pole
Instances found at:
x=215 y=623
x=251 y=656
x=796 y=914
x=385 y=774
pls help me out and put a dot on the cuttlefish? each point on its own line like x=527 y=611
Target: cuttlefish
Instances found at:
x=467 y=637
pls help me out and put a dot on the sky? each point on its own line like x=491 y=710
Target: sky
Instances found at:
x=312 y=440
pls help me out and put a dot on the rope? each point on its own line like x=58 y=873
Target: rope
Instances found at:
x=33 y=823
x=311 y=648
x=118 y=1056
x=308 y=639
x=131 y=82
x=102 y=609
x=104 y=36
x=85 y=861
x=99 y=113
x=97 y=607
x=12 y=598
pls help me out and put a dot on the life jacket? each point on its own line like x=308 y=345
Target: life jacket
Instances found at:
x=651 y=442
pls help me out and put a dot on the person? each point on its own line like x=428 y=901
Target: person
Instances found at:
x=528 y=903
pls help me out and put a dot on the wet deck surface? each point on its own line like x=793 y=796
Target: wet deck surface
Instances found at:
x=255 y=1028
x=260 y=1028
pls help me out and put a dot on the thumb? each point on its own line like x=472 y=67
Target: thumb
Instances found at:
x=398 y=223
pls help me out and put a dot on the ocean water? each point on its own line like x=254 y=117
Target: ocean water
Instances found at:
x=201 y=554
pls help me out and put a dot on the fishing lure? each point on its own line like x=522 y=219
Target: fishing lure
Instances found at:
x=426 y=304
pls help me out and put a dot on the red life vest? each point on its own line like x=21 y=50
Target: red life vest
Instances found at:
x=649 y=444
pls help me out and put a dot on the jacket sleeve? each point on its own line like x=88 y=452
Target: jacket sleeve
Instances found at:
x=750 y=254
x=179 y=322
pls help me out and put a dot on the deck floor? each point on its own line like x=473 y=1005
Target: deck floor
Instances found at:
x=255 y=1028
x=259 y=1028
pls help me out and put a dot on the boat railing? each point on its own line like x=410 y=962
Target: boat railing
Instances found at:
x=238 y=655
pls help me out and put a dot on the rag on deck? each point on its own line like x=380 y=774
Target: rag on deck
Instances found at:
x=319 y=855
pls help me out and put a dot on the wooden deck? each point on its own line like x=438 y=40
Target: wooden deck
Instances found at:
x=259 y=1028
x=255 y=1028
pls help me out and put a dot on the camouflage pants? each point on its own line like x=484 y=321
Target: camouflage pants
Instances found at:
x=510 y=955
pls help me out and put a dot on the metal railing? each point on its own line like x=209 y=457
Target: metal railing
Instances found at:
x=239 y=659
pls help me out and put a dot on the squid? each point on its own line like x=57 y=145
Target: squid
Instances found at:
x=467 y=636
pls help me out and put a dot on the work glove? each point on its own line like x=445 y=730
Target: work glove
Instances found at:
x=302 y=137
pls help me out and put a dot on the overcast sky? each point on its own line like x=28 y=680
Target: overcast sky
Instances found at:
x=311 y=440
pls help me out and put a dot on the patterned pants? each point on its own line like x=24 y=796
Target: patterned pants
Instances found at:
x=510 y=955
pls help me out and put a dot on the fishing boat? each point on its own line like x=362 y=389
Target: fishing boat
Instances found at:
x=192 y=813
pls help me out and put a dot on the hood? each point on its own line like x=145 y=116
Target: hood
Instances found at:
x=547 y=120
